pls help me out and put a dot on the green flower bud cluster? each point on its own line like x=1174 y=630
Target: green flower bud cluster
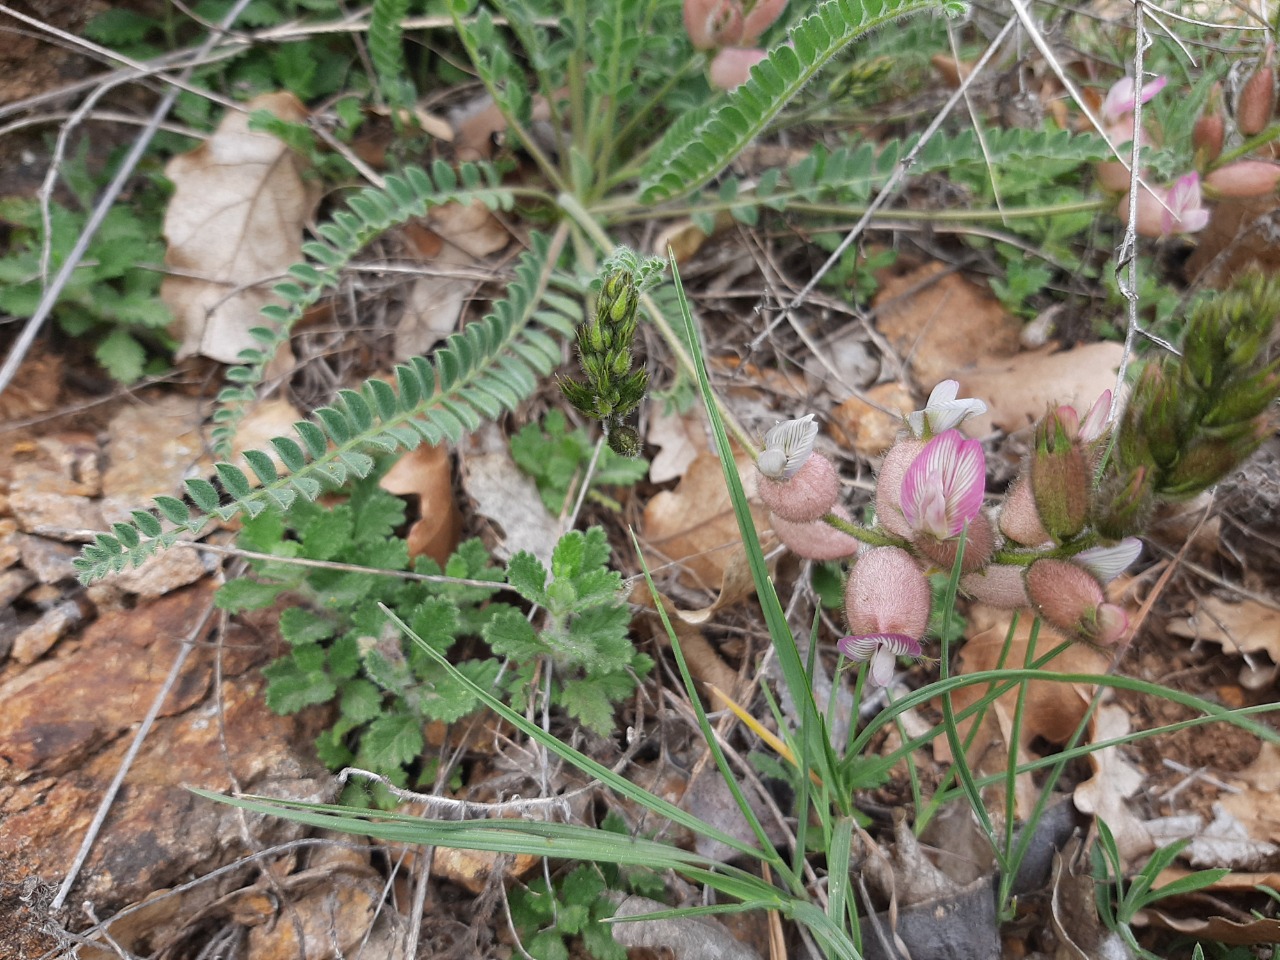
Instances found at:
x=611 y=390
x=1192 y=419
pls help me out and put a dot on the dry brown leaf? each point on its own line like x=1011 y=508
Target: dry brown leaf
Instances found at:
x=509 y=498
x=234 y=226
x=1259 y=930
x=1244 y=627
x=680 y=438
x=425 y=473
x=868 y=429
x=694 y=525
x=941 y=324
x=1020 y=389
x=1114 y=781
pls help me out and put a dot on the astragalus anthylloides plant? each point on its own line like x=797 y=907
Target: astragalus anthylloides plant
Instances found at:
x=1071 y=520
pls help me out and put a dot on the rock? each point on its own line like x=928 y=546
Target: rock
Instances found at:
x=150 y=449
x=36 y=640
x=49 y=560
x=162 y=573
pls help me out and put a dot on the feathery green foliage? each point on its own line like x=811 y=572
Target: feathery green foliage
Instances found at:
x=369 y=213
x=491 y=366
x=386 y=50
x=678 y=168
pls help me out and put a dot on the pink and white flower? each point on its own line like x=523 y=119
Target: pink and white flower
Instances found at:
x=1124 y=96
x=1107 y=563
x=881 y=651
x=942 y=490
x=1166 y=211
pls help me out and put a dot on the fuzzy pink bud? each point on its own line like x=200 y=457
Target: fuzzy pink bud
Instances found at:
x=889 y=486
x=731 y=67
x=997 y=584
x=1069 y=597
x=807 y=496
x=759 y=18
x=816 y=540
x=1019 y=519
x=1244 y=178
x=979 y=544
x=887 y=601
x=713 y=23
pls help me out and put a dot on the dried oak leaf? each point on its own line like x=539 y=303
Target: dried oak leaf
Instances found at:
x=234 y=226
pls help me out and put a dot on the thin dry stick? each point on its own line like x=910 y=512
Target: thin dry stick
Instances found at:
x=886 y=191
x=52 y=292
x=99 y=818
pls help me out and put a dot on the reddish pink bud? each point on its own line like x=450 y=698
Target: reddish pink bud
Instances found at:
x=816 y=540
x=1257 y=97
x=1019 y=520
x=997 y=584
x=760 y=18
x=1178 y=208
x=1067 y=596
x=807 y=496
x=713 y=23
x=889 y=486
x=1209 y=133
x=1244 y=178
x=980 y=543
x=887 y=593
x=732 y=66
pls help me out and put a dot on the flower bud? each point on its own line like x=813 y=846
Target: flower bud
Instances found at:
x=887 y=593
x=1019 y=519
x=816 y=540
x=1060 y=477
x=731 y=67
x=1244 y=178
x=1209 y=134
x=1203 y=465
x=713 y=23
x=808 y=495
x=889 y=486
x=1257 y=97
x=997 y=584
x=761 y=16
x=1123 y=503
x=979 y=544
x=1065 y=595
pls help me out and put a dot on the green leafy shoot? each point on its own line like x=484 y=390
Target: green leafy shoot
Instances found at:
x=557 y=458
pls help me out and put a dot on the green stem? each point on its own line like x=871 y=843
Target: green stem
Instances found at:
x=1253 y=143
x=874 y=538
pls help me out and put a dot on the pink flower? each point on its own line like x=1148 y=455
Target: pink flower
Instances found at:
x=732 y=66
x=887 y=601
x=1123 y=97
x=1178 y=208
x=943 y=487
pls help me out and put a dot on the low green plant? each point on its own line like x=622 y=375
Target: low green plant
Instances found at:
x=557 y=458
x=112 y=301
x=1119 y=901
x=341 y=650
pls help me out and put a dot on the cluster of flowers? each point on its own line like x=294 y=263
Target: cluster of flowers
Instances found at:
x=1037 y=552
x=1179 y=207
x=730 y=28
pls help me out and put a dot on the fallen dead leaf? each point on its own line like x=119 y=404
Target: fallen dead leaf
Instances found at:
x=694 y=525
x=680 y=438
x=425 y=473
x=941 y=324
x=508 y=497
x=234 y=226
x=1245 y=627
x=870 y=429
x=1020 y=389
x=1114 y=781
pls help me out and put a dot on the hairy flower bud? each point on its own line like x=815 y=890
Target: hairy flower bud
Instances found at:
x=1257 y=99
x=889 y=485
x=979 y=544
x=808 y=495
x=1066 y=595
x=887 y=593
x=731 y=67
x=1244 y=178
x=1123 y=504
x=1060 y=476
x=816 y=540
x=1019 y=519
x=1209 y=133
x=997 y=584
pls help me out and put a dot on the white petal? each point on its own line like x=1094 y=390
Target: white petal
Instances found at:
x=794 y=439
x=882 y=665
